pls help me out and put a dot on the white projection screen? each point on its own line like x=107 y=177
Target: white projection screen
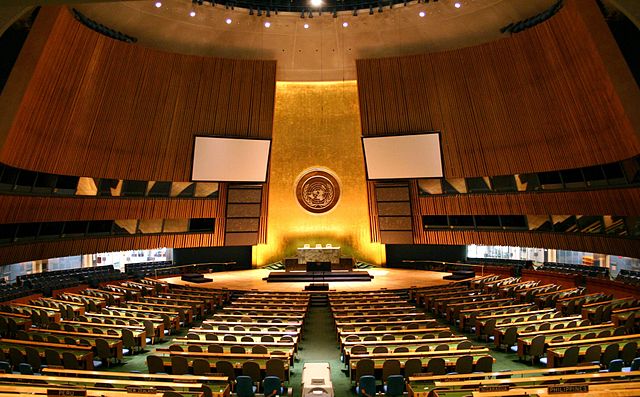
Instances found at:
x=218 y=159
x=403 y=156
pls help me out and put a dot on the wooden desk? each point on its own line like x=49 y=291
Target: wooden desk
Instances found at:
x=555 y=351
x=262 y=362
x=468 y=315
x=424 y=388
x=284 y=324
x=136 y=333
x=115 y=343
x=450 y=362
x=84 y=354
x=524 y=342
x=452 y=311
x=360 y=324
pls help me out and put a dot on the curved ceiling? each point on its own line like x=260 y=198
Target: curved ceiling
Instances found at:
x=325 y=50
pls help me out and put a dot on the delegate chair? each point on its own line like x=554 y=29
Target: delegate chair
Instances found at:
x=484 y=364
x=366 y=386
x=275 y=367
x=394 y=386
x=436 y=366
x=245 y=386
x=414 y=366
x=389 y=368
x=179 y=365
x=364 y=367
x=155 y=365
x=201 y=366
x=272 y=386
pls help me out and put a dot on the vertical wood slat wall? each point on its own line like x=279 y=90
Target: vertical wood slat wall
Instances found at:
x=536 y=101
x=26 y=209
x=103 y=108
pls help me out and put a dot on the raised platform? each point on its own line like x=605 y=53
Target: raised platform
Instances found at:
x=318 y=277
x=195 y=278
x=460 y=275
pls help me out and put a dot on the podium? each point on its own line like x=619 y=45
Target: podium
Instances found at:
x=316 y=380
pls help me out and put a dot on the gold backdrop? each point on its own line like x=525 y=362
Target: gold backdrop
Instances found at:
x=317 y=126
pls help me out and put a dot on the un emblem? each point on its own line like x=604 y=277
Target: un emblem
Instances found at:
x=317 y=191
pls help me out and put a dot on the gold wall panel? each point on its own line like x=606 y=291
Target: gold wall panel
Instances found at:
x=317 y=126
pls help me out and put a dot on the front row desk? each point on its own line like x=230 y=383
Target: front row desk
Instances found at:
x=318 y=258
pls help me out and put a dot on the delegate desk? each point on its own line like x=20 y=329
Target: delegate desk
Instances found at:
x=556 y=351
x=219 y=385
x=450 y=357
x=421 y=388
x=84 y=354
x=237 y=363
x=114 y=341
x=525 y=338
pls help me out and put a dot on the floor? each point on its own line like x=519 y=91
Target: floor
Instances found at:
x=382 y=278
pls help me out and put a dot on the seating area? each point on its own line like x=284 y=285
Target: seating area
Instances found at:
x=216 y=342
x=69 y=277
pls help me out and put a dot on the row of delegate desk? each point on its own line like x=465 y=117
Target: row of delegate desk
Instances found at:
x=516 y=315
x=67 y=324
x=382 y=327
x=270 y=323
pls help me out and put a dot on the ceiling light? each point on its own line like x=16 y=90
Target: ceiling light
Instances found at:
x=158 y=4
x=192 y=14
x=422 y=14
x=228 y=21
x=457 y=5
x=306 y=26
x=267 y=24
x=345 y=24
x=316 y=3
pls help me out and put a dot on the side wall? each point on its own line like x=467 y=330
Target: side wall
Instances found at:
x=553 y=97
x=81 y=104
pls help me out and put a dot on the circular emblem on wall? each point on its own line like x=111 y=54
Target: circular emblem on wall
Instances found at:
x=318 y=191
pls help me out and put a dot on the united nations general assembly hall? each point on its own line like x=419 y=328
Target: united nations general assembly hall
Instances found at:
x=320 y=198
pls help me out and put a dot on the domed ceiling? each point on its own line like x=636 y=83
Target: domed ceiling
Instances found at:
x=320 y=47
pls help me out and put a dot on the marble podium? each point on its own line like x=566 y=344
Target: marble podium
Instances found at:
x=319 y=253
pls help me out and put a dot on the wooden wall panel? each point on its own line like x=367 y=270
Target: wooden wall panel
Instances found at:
x=103 y=108
x=565 y=241
x=539 y=100
x=17 y=209
x=595 y=202
x=53 y=249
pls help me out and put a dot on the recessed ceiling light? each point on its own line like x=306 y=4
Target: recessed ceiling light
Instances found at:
x=158 y=4
x=267 y=24
x=306 y=26
x=228 y=21
x=422 y=14
x=192 y=14
x=345 y=24
x=457 y=5
x=316 y=3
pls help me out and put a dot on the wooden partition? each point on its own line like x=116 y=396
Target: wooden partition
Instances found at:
x=99 y=107
x=540 y=100
x=536 y=101
x=83 y=104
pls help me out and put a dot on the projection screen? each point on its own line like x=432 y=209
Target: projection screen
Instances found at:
x=403 y=156
x=218 y=159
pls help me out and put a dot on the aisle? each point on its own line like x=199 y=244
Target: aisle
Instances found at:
x=320 y=345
